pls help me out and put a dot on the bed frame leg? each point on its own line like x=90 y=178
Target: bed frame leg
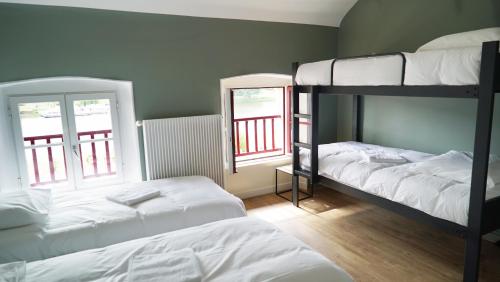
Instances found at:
x=480 y=162
x=295 y=190
x=472 y=258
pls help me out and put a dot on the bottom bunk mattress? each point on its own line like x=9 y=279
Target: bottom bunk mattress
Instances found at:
x=240 y=249
x=85 y=219
x=438 y=185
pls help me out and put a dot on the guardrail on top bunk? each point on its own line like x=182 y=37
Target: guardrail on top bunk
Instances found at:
x=482 y=214
x=441 y=91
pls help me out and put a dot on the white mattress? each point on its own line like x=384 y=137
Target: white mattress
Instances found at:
x=240 y=249
x=84 y=219
x=455 y=66
x=458 y=66
x=440 y=197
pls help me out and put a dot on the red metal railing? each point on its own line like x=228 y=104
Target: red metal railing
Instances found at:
x=49 y=138
x=241 y=127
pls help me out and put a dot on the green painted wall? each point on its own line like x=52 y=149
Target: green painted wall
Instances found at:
x=433 y=125
x=174 y=62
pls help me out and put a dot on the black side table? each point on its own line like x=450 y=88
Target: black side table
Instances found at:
x=288 y=170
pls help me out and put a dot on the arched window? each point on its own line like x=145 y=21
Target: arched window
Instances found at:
x=68 y=132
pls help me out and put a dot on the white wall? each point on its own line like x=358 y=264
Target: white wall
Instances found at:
x=258 y=177
x=9 y=168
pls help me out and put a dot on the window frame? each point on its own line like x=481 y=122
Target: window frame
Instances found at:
x=14 y=102
x=80 y=180
x=286 y=119
x=74 y=173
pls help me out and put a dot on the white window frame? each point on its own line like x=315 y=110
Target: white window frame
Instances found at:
x=129 y=134
x=75 y=178
x=80 y=181
x=244 y=81
x=19 y=139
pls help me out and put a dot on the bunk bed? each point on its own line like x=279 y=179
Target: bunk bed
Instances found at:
x=468 y=73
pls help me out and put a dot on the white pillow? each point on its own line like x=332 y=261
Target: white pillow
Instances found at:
x=21 y=208
x=456 y=166
x=473 y=38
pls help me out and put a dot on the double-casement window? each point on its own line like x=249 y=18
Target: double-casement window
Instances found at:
x=67 y=140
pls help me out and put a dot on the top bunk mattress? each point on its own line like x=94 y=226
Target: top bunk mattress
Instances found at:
x=85 y=219
x=457 y=66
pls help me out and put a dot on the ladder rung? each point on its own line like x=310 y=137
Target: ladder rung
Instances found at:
x=302 y=116
x=303 y=173
x=302 y=145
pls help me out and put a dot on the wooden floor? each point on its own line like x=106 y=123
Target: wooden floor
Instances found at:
x=371 y=243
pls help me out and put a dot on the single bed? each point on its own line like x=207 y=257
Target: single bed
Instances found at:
x=440 y=195
x=223 y=251
x=85 y=219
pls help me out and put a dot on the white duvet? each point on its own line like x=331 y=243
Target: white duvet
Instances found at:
x=240 y=249
x=437 y=185
x=85 y=219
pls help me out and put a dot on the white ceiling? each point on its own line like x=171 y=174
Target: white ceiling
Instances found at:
x=317 y=12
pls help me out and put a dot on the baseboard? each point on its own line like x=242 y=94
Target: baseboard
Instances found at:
x=261 y=191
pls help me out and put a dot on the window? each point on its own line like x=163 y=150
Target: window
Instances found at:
x=260 y=122
x=68 y=140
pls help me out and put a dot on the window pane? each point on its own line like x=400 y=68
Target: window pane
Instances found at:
x=41 y=125
x=40 y=119
x=258 y=122
x=93 y=121
x=98 y=159
x=46 y=165
x=92 y=116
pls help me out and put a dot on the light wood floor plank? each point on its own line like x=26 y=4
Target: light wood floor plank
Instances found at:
x=371 y=243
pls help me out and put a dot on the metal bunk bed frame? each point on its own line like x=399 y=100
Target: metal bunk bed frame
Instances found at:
x=484 y=216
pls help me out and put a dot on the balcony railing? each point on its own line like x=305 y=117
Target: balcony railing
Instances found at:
x=244 y=128
x=48 y=145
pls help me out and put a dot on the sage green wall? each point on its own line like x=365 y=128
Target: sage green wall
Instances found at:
x=174 y=62
x=433 y=125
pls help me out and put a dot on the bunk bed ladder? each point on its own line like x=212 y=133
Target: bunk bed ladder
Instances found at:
x=312 y=141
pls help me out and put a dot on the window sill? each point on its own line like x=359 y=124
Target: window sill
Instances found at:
x=281 y=158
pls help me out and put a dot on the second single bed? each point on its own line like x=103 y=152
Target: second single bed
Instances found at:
x=85 y=219
x=239 y=249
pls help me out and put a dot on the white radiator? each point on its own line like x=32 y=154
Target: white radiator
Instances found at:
x=184 y=146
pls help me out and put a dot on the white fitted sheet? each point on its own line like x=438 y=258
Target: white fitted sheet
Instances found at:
x=438 y=196
x=454 y=66
x=240 y=249
x=85 y=219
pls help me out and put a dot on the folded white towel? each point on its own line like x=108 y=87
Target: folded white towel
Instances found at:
x=134 y=196
x=382 y=157
x=13 y=272
x=179 y=266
